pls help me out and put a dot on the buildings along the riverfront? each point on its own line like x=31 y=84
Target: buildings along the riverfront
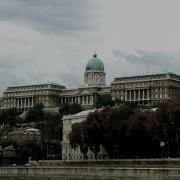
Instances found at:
x=141 y=89
x=53 y=95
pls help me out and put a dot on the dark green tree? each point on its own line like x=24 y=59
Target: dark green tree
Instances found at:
x=168 y=115
x=103 y=101
x=9 y=116
x=78 y=137
x=35 y=114
x=68 y=108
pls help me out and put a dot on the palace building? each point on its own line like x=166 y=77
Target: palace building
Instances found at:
x=147 y=89
x=141 y=89
x=53 y=95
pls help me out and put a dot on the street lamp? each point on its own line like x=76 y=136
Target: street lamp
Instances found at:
x=162 y=144
x=167 y=149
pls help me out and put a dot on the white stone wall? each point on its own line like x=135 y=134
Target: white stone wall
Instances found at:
x=68 y=153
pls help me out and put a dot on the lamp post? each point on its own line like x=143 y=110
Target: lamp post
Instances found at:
x=162 y=144
x=167 y=149
x=47 y=151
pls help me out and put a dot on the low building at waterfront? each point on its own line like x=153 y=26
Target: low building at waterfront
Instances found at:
x=68 y=153
x=24 y=134
x=146 y=89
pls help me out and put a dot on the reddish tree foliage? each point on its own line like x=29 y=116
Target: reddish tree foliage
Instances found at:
x=78 y=137
x=127 y=133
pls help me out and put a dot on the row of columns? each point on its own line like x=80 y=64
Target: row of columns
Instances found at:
x=142 y=94
x=24 y=102
x=84 y=100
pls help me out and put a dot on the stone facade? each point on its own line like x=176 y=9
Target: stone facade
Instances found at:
x=142 y=89
x=146 y=89
x=68 y=153
x=24 y=97
x=1 y=102
x=53 y=95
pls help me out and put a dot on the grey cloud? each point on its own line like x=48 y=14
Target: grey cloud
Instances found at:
x=54 y=16
x=165 y=60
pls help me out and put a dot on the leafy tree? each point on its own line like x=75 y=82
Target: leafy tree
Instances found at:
x=78 y=137
x=51 y=127
x=35 y=114
x=103 y=101
x=142 y=135
x=124 y=132
x=9 y=116
x=94 y=134
x=115 y=126
x=70 y=109
x=168 y=115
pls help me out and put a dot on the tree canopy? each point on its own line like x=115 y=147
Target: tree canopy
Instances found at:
x=68 y=108
x=126 y=132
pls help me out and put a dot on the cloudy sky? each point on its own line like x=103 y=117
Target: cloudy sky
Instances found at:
x=52 y=40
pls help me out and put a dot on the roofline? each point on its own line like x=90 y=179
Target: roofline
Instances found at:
x=42 y=84
x=147 y=75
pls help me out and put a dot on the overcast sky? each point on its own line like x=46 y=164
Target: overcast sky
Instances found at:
x=51 y=40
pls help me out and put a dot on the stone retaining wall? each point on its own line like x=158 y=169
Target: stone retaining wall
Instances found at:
x=98 y=172
x=146 y=169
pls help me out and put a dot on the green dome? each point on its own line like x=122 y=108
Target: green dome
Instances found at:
x=95 y=63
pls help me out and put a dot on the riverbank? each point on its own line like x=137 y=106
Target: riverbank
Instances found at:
x=117 y=169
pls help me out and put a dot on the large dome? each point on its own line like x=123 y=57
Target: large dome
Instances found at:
x=95 y=63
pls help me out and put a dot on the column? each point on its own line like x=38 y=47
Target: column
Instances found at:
x=14 y=102
x=78 y=100
x=21 y=103
x=143 y=94
x=32 y=102
x=25 y=99
x=139 y=94
x=91 y=100
x=148 y=94
x=83 y=100
x=134 y=95
x=29 y=102
x=130 y=97
x=125 y=95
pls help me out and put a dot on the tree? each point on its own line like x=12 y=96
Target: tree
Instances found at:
x=142 y=135
x=103 y=101
x=9 y=116
x=168 y=115
x=70 y=109
x=35 y=114
x=78 y=137
x=126 y=132
x=94 y=134
x=51 y=127
x=115 y=122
